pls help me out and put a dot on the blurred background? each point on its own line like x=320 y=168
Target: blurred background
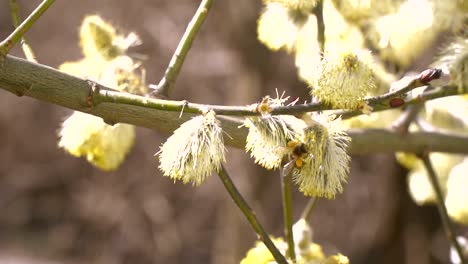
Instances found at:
x=55 y=208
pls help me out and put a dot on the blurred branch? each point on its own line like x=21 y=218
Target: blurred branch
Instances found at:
x=449 y=230
x=7 y=44
x=309 y=208
x=15 y=17
x=166 y=85
x=318 y=12
x=406 y=118
x=250 y=215
x=286 y=183
x=22 y=77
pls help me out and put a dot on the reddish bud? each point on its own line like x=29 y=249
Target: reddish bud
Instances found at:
x=396 y=102
x=429 y=75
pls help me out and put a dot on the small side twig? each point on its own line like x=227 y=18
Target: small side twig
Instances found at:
x=286 y=185
x=379 y=103
x=448 y=228
x=402 y=124
x=250 y=215
x=15 y=16
x=309 y=208
x=411 y=112
x=7 y=44
x=166 y=85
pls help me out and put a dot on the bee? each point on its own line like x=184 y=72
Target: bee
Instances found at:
x=299 y=151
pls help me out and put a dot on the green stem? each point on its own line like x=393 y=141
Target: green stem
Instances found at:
x=449 y=230
x=166 y=85
x=250 y=215
x=16 y=22
x=379 y=103
x=309 y=208
x=7 y=44
x=286 y=184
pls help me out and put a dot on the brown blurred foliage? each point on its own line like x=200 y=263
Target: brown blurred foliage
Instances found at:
x=58 y=209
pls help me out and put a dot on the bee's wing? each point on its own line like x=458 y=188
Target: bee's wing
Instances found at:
x=288 y=168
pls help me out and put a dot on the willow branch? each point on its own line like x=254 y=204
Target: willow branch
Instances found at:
x=46 y=84
x=103 y=94
x=7 y=44
x=166 y=85
x=448 y=228
x=250 y=215
x=15 y=17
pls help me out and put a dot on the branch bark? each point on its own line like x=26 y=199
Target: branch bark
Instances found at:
x=44 y=83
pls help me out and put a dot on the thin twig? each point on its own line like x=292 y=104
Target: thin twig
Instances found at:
x=381 y=103
x=250 y=215
x=449 y=230
x=286 y=183
x=7 y=44
x=410 y=114
x=309 y=208
x=15 y=16
x=378 y=103
x=166 y=85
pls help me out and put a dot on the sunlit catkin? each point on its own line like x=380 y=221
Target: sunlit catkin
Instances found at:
x=325 y=168
x=454 y=60
x=268 y=137
x=276 y=29
x=457 y=195
x=194 y=151
x=103 y=145
x=344 y=80
x=402 y=36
